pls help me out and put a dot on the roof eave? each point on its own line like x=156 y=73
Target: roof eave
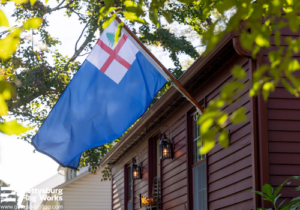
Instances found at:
x=188 y=75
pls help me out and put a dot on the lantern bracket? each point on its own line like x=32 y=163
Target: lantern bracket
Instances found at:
x=138 y=157
x=169 y=131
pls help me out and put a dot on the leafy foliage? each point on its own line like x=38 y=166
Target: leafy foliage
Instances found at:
x=272 y=196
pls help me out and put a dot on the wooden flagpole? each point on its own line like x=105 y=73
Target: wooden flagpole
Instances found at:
x=177 y=83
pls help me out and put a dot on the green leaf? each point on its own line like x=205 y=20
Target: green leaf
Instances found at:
x=281 y=203
x=3 y=106
x=238 y=115
x=205 y=126
x=222 y=119
x=293 y=65
x=9 y=44
x=259 y=193
x=109 y=21
x=167 y=17
x=133 y=17
x=21 y=1
x=208 y=141
x=262 y=41
x=268 y=86
x=292 y=90
x=223 y=138
x=32 y=2
x=13 y=128
x=296 y=198
x=238 y=72
x=268 y=189
x=118 y=32
x=33 y=23
x=297 y=188
x=3 y=20
x=226 y=5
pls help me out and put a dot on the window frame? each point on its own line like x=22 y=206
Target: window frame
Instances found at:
x=127 y=170
x=191 y=161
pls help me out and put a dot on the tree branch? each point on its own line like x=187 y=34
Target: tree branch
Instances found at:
x=58 y=7
x=81 y=35
x=83 y=45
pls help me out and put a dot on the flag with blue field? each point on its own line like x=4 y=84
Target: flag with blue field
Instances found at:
x=112 y=89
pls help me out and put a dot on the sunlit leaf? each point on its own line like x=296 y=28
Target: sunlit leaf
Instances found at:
x=205 y=126
x=293 y=65
x=32 y=2
x=108 y=22
x=32 y=23
x=3 y=106
x=9 y=44
x=12 y=128
x=267 y=87
x=3 y=19
x=223 y=138
x=262 y=41
x=118 y=32
x=239 y=115
x=133 y=17
x=22 y=1
x=222 y=119
x=208 y=141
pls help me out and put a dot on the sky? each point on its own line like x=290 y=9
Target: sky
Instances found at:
x=19 y=166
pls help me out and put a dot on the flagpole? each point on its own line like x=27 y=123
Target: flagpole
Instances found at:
x=177 y=85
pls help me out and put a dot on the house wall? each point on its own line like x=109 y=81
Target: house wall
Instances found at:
x=281 y=140
x=230 y=171
x=88 y=192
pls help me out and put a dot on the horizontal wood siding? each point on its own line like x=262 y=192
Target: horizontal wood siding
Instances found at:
x=141 y=185
x=88 y=192
x=118 y=190
x=230 y=170
x=284 y=140
x=174 y=175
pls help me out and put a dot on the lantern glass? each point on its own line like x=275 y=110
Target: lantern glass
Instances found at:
x=136 y=170
x=166 y=148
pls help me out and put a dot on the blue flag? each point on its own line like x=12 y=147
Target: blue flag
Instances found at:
x=111 y=90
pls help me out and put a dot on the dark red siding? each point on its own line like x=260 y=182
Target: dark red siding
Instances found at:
x=174 y=178
x=230 y=172
x=284 y=139
x=141 y=185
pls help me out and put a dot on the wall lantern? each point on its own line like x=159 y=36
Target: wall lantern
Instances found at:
x=166 y=147
x=136 y=170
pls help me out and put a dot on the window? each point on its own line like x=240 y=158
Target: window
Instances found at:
x=70 y=174
x=198 y=168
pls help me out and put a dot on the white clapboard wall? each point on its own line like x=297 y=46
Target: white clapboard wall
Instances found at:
x=88 y=192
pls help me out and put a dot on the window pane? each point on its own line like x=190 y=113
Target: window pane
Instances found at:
x=197 y=140
x=199 y=186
